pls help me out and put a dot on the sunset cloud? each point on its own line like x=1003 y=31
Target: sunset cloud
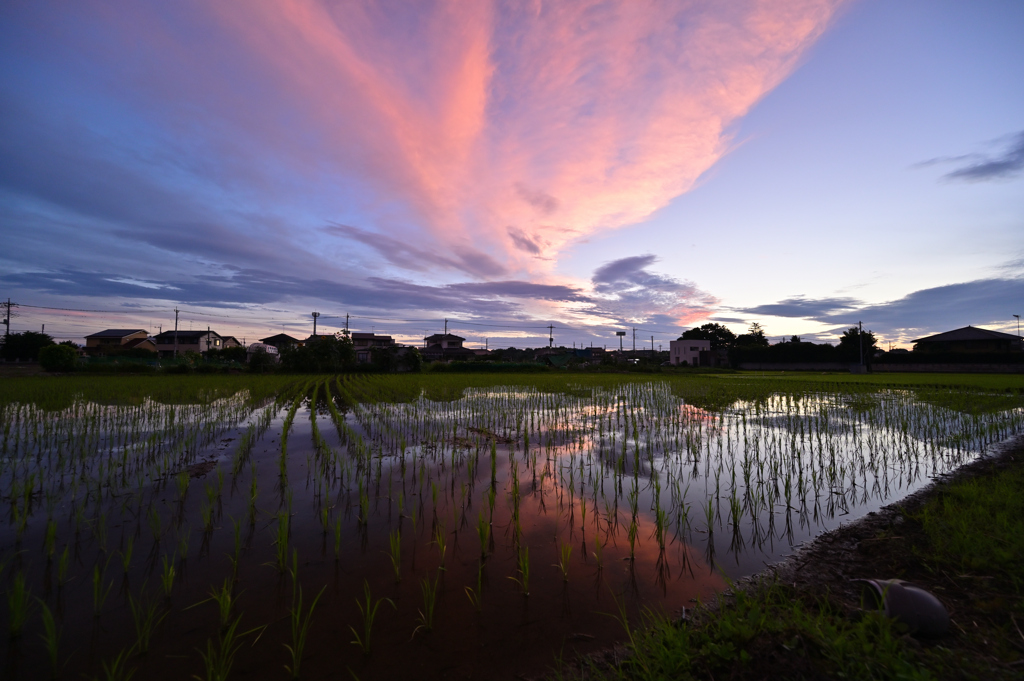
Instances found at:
x=519 y=127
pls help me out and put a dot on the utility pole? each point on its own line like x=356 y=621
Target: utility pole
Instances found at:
x=446 y=326
x=1018 y=331
x=207 y=339
x=315 y=315
x=652 y=346
x=7 y=320
x=175 y=333
x=860 y=341
x=346 y=322
x=551 y=334
x=634 y=340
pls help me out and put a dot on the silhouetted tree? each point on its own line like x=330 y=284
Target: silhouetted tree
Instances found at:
x=24 y=346
x=753 y=338
x=323 y=354
x=850 y=344
x=720 y=336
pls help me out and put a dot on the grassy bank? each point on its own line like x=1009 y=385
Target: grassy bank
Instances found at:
x=963 y=540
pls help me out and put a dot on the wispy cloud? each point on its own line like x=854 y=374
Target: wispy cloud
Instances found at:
x=1006 y=163
x=625 y=289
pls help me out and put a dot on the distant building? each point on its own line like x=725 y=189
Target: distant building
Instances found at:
x=688 y=351
x=104 y=341
x=280 y=341
x=230 y=342
x=445 y=346
x=968 y=339
x=194 y=341
x=141 y=344
x=365 y=342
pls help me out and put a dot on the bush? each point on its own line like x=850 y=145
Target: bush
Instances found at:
x=58 y=358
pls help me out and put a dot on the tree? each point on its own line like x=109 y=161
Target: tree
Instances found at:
x=58 y=357
x=850 y=345
x=753 y=338
x=323 y=354
x=24 y=346
x=720 y=336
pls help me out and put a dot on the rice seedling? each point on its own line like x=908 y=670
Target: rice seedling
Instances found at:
x=428 y=589
x=395 y=553
x=368 y=610
x=146 y=618
x=564 y=552
x=167 y=575
x=281 y=542
x=117 y=669
x=100 y=592
x=51 y=638
x=523 y=570
x=63 y=563
x=219 y=657
x=126 y=554
x=440 y=541
x=300 y=622
x=483 y=532
x=19 y=602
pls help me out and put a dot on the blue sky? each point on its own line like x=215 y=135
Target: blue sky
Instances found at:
x=803 y=164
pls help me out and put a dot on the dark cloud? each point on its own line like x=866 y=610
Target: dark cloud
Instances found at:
x=802 y=307
x=930 y=310
x=978 y=167
x=625 y=289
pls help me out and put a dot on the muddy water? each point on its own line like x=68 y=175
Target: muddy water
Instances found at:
x=572 y=493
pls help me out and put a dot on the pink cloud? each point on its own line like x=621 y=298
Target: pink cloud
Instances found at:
x=515 y=128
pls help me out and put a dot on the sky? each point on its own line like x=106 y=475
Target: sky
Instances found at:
x=595 y=166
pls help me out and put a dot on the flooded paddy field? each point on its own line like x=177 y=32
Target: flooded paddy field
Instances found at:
x=425 y=526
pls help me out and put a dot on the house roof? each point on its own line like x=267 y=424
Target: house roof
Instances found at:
x=230 y=338
x=136 y=342
x=369 y=336
x=183 y=336
x=116 y=333
x=443 y=336
x=279 y=337
x=967 y=333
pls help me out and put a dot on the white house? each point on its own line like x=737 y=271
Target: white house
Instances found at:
x=687 y=351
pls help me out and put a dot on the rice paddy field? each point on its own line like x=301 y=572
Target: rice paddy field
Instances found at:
x=429 y=526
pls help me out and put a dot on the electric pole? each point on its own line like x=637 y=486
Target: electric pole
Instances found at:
x=551 y=334
x=7 y=320
x=207 y=339
x=346 y=322
x=634 y=340
x=1018 y=330
x=652 y=346
x=175 y=333
x=315 y=315
x=446 y=326
x=860 y=341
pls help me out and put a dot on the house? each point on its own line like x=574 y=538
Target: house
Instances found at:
x=688 y=351
x=280 y=341
x=104 y=341
x=446 y=346
x=968 y=339
x=365 y=342
x=141 y=344
x=194 y=341
x=230 y=342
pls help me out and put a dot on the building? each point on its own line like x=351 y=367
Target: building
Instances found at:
x=280 y=341
x=230 y=342
x=110 y=339
x=445 y=347
x=194 y=341
x=688 y=351
x=968 y=339
x=365 y=342
x=141 y=344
